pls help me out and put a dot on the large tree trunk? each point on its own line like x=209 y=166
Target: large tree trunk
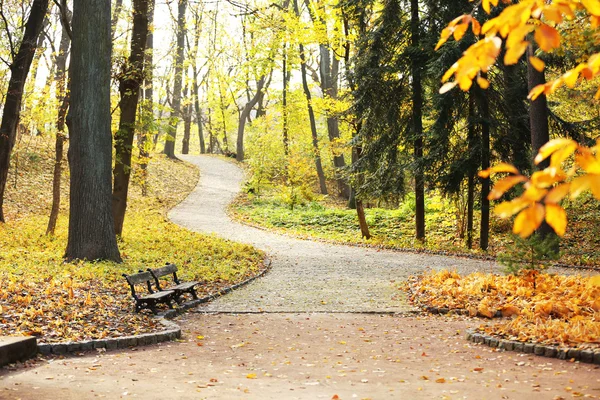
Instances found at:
x=91 y=224
x=148 y=104
x=417 y=116
x=177 y=86
x=19 y=70
x=130 y=81
x=244 y=116
x=63 y=100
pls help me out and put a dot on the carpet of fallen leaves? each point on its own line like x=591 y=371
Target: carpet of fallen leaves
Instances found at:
x=43 y=296
x=542 y=308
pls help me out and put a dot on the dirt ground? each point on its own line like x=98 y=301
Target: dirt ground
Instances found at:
x=306 y=356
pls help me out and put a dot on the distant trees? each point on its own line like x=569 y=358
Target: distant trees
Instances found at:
x=21 y=59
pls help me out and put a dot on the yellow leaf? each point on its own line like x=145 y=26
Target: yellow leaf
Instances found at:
x=514 y=53
x=459 y=31
x=483 y=83
x=570 y=78
x=580 y=185
x=547 y=37
x=588 y=162
x=508 y=208
x=536 y=92
x=537 y=63
x=553 y=146
x=555 y=195
x=505 y=184
x=534 y=193
x=476 y=27
x=500 y=167
x=529 y=220
x=251 y=376
x=450 y=72
x=465 y=83
x=556 y=217
x=593 y=6
x=546 y=178
x=553 y=14
x=594 y=281
x=446 y=87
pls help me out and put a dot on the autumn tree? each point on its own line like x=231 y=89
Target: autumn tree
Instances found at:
x=22 y=58
x=130 y=81
x=178 y=80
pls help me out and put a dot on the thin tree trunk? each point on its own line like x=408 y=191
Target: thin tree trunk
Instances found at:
x=284 y=106
x=187 y=123
x=91 y=223
x=148 y=104
x=115 y=19
x=485 y=164
x=417 y=97
x=177 y=86
x=130 y=81
x=196 y=84
x=19 y=70
x=540 y=132
x=471 y=174
x=360 y=209
x=245 y=114
x=311 y=114
x=61 y=92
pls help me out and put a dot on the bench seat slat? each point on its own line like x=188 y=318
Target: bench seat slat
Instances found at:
x=157 y=295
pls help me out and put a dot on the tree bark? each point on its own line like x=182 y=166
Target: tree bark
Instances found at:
x=484 y=109
x=187 y=123
x=196 y=84
x=19 y=70
x=130 y=81
x=244 y=116
x=148 y=104
x=471 y=174
x=417 y=116
x=540 y=132
x=91 y=224
x=311 y=114
x=61 y=92
x=284 y=106
x=177 y=86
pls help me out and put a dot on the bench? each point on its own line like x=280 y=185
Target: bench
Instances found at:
x=178 y=288
x=151 y=299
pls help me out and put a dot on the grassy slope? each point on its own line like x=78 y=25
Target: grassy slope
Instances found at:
x=39 y=294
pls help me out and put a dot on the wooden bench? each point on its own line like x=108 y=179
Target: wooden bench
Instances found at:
x=179 y=288
x=151 y=299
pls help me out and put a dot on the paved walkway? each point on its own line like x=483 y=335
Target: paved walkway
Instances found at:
x=306 y=276
x=302 y=354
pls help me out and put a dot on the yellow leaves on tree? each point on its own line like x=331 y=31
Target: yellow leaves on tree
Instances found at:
x=513 y=26
x=547 y=188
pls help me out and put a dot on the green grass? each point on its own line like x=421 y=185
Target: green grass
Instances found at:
x=394 y=228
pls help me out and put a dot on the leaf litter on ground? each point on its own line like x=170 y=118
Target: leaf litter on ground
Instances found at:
x=43 y=296
x=537 y=307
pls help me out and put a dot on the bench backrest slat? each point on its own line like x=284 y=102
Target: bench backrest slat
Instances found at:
x=166 y=270
x=142 y=277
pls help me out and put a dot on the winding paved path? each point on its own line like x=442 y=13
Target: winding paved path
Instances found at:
x=301 y=354
x=306 y=276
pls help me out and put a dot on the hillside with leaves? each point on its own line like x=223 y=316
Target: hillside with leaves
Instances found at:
x=42 y=295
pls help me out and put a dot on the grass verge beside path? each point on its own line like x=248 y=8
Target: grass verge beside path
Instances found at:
x=394 y=228
x=40 y=295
